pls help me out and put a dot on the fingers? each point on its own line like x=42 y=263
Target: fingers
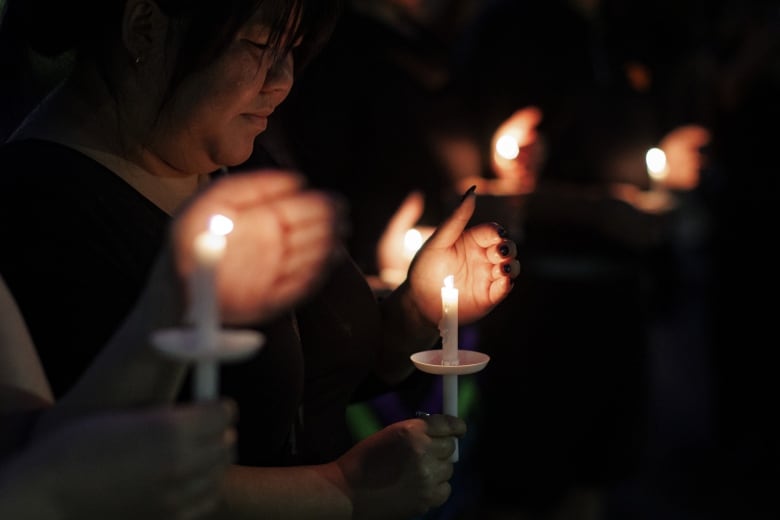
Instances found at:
x=202 y=435
x=276 y=253
x=204 y=421
x=451 y=229
x=441 y=425
x=195 y=497
x=305 y=208
x=508 y=269
x=530 y=115
x=442 y=448
x=247 y=188
x=489 y=234
x=502 y=251
x=500 y=287
x=408 y=213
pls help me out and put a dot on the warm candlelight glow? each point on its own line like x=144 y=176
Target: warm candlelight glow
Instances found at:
x=655 y=159
x=220 y=225
x=413 y=241
x=507 y=147
x=210 y=245
x=209 y=248
x=449 y=322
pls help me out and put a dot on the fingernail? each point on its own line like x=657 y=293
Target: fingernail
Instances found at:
x=468 y=192
x=503 y=249
x=506 y=268
x=501 y=231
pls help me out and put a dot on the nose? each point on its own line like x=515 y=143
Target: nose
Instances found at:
x=280 y=77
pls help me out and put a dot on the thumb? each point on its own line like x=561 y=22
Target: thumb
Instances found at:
x=450 y=230
x=408 y=213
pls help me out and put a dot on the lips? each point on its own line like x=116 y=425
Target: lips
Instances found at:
x=257 y=122
x=264 y=112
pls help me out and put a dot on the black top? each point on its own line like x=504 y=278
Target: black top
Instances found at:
x=78 y=246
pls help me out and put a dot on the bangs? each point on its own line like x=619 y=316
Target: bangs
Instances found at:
x=209 y=27
x=309 y=22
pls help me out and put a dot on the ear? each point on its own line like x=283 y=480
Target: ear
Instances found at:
x=143 y=28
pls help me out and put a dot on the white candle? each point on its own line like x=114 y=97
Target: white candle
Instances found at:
x=449 y=322
x=449 y=336
x=204 y=311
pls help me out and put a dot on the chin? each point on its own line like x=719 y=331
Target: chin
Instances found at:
x=237 y=155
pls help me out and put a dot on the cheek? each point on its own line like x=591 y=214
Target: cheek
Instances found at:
x=230 y=84
x=241 y=73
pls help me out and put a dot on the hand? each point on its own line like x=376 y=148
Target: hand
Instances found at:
x=404 y=469
x=156 y=463
x=518 y=174
x=391 y=253
x=283 y=240
x=482 y=260
x=684 y=157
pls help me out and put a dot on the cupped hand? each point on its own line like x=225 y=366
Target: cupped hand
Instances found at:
x=391 y=252
x=481 y=259
x=404 y=469
x=684 y=156
x=518 y=174
x=285 y=237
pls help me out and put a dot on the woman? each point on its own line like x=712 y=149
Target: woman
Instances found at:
x=163 y=94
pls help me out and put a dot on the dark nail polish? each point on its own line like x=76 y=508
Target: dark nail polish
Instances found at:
x=503 y=249
x=506 y=268
x=502 y=232
x=468 y=192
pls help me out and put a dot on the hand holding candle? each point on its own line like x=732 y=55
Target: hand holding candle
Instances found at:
x=283 y=238
x=477 y=266
x=206 y=343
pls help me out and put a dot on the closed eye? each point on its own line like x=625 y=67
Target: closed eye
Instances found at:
x=261 y=46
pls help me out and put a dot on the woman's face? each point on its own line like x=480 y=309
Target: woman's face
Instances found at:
x=213 y=118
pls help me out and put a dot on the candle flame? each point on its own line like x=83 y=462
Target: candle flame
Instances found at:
x=449 y=281
x=220 y=225
x=507 y=147
x=655 y=158
x=412 y=242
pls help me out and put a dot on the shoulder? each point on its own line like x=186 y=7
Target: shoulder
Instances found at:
x=36 y=160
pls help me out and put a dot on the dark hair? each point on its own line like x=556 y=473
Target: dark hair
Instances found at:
x=212 y=24
x=53 y=27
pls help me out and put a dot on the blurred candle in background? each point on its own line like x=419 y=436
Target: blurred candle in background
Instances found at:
x=655 y=159
x=209 y=249
x=507 y=147
x=413 y=240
